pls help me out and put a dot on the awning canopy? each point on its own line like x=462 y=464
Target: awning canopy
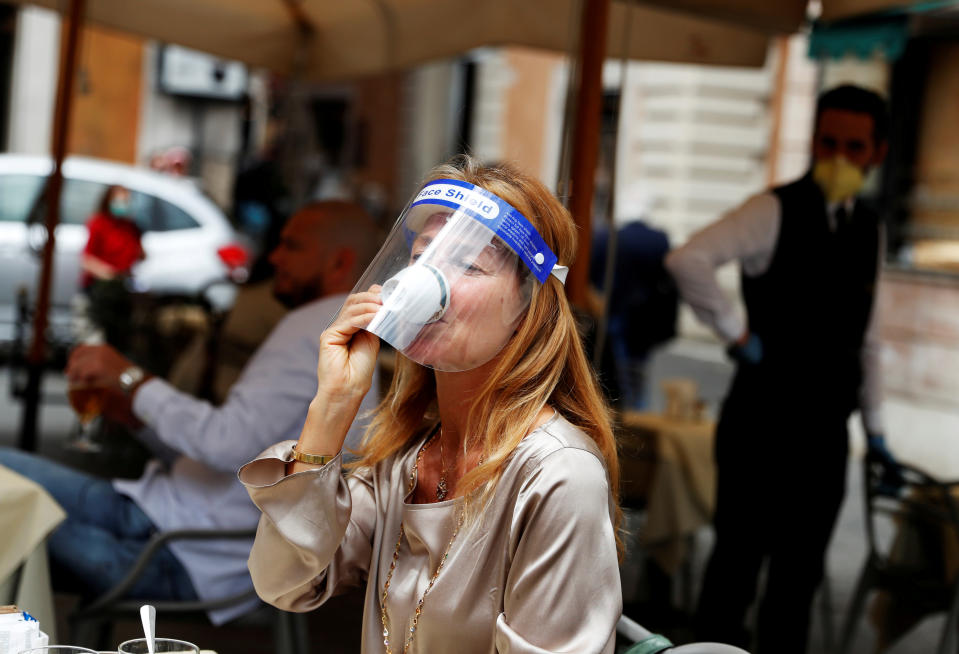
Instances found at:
x=351 y=39
x=779 y=16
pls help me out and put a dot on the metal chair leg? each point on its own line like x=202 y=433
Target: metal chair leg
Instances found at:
x=290 y=635
x=300 y=631
x=92 y=633
x=947 y=642
x=863 y=586
x=825 y=609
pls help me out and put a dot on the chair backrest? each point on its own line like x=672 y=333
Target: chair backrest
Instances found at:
x=646 y=642
x=912 y=522
x=637 y=460
x=88 y=619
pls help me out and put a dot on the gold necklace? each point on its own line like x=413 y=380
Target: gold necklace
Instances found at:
x=414 y=621
x=441 y=488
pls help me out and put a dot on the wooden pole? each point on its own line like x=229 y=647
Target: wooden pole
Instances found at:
x=70 y=40
x=585 y=151
x=776 y=109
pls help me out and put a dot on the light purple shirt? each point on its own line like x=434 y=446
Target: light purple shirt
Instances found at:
x=199 y=490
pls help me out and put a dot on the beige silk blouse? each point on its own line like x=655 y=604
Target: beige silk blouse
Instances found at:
x=536 y=572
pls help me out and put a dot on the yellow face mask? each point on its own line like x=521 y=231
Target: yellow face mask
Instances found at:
x=838 y=179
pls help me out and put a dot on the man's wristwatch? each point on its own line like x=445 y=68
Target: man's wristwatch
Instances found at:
x=131 y=378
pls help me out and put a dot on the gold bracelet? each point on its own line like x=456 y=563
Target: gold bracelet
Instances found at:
x=313 y=459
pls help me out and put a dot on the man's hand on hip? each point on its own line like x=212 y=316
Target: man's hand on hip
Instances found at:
x=877 y=451
x=747 y=349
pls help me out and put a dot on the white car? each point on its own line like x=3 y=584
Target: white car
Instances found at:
x=188 y=241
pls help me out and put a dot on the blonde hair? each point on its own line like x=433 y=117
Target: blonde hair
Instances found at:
x=543 y=363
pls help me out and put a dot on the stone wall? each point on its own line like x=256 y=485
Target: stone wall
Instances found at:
x=920 y=365
x=920 y=335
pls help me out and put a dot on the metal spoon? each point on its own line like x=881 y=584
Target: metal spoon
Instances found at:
x=148 y=616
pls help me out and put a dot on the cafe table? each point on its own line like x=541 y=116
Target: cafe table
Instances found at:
x=681 y=492
x=27 y=516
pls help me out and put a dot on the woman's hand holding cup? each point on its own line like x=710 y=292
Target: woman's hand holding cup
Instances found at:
x=347 y=360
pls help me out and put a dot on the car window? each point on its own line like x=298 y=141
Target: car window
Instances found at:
x=170 y=217
x=18 y=193
x=143 y=210
x=17 y=196
x=80 y=199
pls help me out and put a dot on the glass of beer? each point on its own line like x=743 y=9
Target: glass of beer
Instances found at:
x=87 y=401
x=161 y=645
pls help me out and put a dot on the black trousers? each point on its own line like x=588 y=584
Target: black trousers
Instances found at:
x=781 y=458
x=110 y=308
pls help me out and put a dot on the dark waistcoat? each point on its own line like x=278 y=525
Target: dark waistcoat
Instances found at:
x=812 y=306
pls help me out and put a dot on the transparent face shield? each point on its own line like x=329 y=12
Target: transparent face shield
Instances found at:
x=456 y=276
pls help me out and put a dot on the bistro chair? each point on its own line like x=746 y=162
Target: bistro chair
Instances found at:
x=645 y=642
x=92 y=623
x=912 y=528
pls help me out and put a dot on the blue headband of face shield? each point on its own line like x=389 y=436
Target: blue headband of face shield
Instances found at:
x=500 y=217
x=452 y=276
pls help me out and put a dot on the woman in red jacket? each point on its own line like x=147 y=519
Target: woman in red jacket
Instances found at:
x=112 y=249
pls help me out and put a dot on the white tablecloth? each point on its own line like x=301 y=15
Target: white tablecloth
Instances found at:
x=682 y=492
x=27 y=516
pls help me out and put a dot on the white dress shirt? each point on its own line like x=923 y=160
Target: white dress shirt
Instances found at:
x=199 y=489
x=749 y=234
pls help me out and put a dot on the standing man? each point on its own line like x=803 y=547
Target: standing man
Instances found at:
x=192 y=484
x=642 y=307
x=807 y=355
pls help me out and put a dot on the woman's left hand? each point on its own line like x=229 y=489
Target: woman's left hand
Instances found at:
x=347 y=355
x=344 y=374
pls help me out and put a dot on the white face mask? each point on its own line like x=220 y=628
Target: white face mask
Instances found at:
x=457 y=273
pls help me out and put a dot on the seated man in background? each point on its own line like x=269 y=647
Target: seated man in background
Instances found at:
x=212 y=362
x=192 y=485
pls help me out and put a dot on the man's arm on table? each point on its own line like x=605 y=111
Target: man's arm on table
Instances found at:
x=268 y=403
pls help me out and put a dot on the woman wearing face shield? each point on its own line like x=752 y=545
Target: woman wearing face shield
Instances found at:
x=482 y=513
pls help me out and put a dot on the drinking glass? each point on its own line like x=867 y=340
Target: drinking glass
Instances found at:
x=58 y=649
x=161 y=645
x=87 y=401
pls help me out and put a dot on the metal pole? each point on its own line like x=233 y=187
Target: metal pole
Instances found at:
x=592 y=52
x=569 y=105
x=300 y=139
x=609 y=272
x=61 y=128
